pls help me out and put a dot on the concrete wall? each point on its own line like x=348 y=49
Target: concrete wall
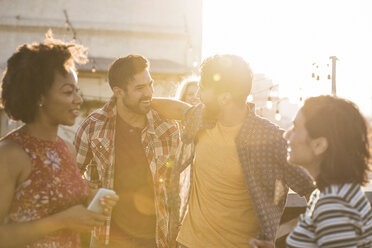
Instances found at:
x=162 y=29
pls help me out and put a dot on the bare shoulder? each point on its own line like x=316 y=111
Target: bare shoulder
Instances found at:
x=15 y=167
x=10 y=150
x=14 y=161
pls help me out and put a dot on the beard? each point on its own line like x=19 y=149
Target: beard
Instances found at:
x=136 y=107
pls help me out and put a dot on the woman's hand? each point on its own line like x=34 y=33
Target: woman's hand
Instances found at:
x=108 y=202
x=255 y=243
x=79 y=218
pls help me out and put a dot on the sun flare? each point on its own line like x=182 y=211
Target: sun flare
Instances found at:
x=283 y=39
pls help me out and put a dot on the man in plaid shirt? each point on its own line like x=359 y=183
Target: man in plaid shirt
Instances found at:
x=129 y=147
x=240 y=176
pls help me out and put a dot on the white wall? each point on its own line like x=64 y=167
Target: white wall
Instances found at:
x=161 y=29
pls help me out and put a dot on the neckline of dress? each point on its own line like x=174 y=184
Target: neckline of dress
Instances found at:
x=22 y=132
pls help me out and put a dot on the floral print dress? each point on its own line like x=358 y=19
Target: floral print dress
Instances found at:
x=53 y=185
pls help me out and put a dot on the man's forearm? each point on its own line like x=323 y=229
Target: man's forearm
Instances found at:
x=169 y=108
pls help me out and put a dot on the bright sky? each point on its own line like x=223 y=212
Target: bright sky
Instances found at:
x=283 y=38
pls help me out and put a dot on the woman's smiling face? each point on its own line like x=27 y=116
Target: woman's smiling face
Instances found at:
x=61 y=104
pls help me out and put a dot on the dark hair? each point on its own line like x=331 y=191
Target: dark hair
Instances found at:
x=30 y=73
x=227 y=73
x=340 y=122
x=124 y=68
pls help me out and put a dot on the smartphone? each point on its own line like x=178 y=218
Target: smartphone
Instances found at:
x=94 y=205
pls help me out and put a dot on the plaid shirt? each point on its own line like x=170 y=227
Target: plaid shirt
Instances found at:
x=262 y=154
x=94 y=142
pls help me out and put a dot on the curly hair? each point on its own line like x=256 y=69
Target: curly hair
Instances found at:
x=341 y=123
x=227 y=73
x=30 y=73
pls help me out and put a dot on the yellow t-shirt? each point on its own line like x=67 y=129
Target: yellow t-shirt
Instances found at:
x=220 y=210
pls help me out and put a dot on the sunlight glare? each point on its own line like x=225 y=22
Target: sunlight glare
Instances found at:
x=282 y=39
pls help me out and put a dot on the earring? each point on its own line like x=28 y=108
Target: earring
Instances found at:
x=40 y=105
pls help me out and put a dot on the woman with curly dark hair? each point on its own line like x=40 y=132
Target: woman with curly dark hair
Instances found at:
x=41 y=191
x=329 y=139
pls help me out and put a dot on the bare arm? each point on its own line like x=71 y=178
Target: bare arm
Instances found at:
x=31 y=231
x=15 y=167
x=170 y=108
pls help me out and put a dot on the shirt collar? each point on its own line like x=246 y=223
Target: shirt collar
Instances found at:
x=251 y=108
x=110 y=108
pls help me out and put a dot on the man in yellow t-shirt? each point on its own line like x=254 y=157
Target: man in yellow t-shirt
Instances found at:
x=240 y=175
x=219 y=202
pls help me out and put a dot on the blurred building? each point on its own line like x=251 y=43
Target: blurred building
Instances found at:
x=268 y=103
x=167 y=32
x=264 y=95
